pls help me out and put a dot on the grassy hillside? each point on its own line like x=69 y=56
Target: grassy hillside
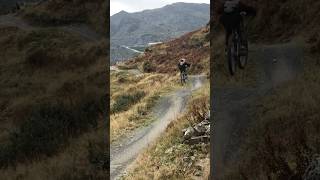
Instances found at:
x=132 y=99
x=53 y=104
x=163 y=58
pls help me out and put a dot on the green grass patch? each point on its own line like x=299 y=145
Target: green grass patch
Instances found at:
x=125 y=101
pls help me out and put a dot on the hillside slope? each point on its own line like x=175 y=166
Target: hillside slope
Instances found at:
x=163 y=58
x=53 y=102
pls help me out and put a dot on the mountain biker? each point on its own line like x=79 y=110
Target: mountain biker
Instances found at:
x=183 y=65
x=231 y=18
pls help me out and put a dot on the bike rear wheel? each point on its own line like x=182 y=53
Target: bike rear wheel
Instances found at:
x=232 y=55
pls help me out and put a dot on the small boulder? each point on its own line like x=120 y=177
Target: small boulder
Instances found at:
x=188 y=133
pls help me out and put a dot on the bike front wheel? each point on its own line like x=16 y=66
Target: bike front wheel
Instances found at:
x=243 y=56
x=183 y=78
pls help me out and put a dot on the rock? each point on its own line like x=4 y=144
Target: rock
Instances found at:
x=199 y=139
x=199 y=170
x=192 y=158
x=207 y=117
x=208 y=130
x=188 y=133
x=198 y=173
x=205 y=122
x=200 y=129
x=200 y=133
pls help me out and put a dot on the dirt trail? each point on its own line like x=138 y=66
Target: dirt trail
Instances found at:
x=124 y=153
x=231 y=105
x=80 y=29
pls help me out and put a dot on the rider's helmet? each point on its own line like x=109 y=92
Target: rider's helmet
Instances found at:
x=182 y=60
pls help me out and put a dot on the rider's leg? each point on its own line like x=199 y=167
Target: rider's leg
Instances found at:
x=240 y=31
x=226 y=21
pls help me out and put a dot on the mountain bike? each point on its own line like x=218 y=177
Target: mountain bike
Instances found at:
x=183 y=77
x=237 y=50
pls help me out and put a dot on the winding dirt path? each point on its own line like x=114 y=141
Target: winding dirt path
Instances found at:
x=82 y=30
x=123 y=153
x=231 y=104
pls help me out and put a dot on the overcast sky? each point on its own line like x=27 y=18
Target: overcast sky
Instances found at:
x=140 y=5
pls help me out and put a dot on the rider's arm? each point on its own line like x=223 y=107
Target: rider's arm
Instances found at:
x=251 y=11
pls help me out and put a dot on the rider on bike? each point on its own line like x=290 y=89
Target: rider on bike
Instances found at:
x=231 y=16
x=183 y=65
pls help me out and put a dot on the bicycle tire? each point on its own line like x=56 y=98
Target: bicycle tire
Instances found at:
x=231 y=56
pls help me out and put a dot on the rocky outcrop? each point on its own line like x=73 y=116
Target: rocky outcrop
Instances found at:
x=199 y=133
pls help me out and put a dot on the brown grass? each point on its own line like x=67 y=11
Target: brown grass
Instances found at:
x=50 y=68
x=153 y=85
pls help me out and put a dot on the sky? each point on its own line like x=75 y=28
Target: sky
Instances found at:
x=140 y=5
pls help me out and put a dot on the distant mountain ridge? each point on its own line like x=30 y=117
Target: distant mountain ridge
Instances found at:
x=161 y=24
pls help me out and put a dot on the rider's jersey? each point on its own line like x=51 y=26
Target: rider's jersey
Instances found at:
x=183 y=67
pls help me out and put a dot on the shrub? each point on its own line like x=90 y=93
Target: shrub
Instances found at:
x=98 y=155
x=147 y=67
x=124 y=102
x=48 y=128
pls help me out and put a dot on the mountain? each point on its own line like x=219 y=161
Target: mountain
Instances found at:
x=162 y=24
x=163 y=58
